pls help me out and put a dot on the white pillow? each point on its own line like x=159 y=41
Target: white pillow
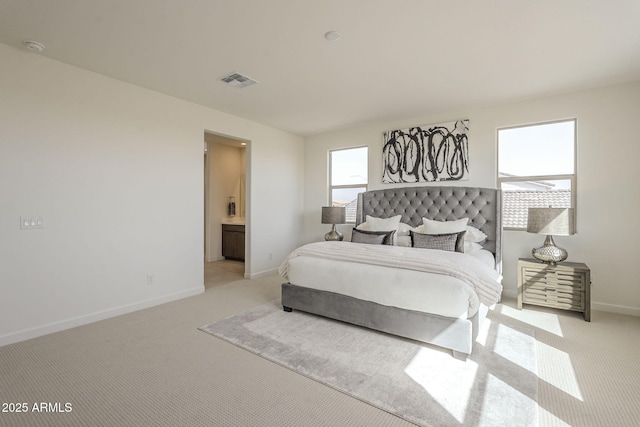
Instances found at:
x=443 y=227
x=380 y=224
x=471 y=246
x=474 y=235
x=430 y=226
x=404 y=229
x=404 y=241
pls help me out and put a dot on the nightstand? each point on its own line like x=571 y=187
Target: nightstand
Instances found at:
x=566 y=285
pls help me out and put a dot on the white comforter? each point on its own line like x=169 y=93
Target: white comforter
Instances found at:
x=485 y=281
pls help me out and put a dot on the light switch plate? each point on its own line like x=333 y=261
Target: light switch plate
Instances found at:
x=31 y=222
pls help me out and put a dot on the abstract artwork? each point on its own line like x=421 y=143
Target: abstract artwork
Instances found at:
x=427 y=153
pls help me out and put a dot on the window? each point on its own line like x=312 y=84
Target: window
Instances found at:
x=347 y=177
x=536 y=168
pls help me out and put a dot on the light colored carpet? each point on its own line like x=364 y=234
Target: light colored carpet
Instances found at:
x=155 y=368
x=423 y=384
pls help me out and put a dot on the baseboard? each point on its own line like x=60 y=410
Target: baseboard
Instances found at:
x=598 y=306
x=94 y=317
x=260 y=274
x=510 y=293
x=614 y=308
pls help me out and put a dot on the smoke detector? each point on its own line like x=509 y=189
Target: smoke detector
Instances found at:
x=332 y=36
x=237 y=80
x=34 y=46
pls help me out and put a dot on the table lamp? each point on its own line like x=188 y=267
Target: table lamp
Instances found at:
x=551 y=221
x=333 y=215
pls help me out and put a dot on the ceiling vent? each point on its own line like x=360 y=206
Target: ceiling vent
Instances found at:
x=34 y=46
x=237 y=80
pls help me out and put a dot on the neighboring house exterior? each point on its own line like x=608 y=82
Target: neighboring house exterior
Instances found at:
x=519 y=196
x=351 y=209
x=516 y=204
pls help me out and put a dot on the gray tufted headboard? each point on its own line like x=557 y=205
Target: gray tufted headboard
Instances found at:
x=480 y=205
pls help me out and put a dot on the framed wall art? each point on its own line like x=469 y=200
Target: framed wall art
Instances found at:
x=427 y=153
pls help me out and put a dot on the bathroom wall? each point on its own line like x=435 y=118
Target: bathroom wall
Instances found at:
x=227 y=165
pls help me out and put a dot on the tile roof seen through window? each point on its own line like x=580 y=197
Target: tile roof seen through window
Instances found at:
x=516 y=204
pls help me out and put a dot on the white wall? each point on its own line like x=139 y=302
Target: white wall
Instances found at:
x=608 y=199
x=275 y=185
x=117 y=173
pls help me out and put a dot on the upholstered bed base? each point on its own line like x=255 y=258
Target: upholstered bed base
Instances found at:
x=444 y=203
x=455 y=334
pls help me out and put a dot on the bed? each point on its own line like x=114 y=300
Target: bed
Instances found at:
x=433 y=296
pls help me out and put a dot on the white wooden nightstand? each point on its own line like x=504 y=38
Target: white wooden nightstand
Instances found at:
x=566 y=285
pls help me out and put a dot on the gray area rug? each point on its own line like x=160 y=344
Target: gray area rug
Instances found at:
x=496 y=386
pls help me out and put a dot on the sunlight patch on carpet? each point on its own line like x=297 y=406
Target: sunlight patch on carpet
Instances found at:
x=506 y=346
x=558 y=370
x=453 y=394
x=498 y=391
x=546 y=321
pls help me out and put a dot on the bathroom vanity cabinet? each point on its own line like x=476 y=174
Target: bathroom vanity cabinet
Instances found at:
x=233 y=241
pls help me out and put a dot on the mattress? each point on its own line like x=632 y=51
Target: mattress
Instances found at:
x=402 y=288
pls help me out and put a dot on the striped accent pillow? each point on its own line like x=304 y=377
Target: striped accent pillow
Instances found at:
x=372 y=237
x=453 y=242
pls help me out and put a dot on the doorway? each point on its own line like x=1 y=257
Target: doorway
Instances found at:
x=225 y=199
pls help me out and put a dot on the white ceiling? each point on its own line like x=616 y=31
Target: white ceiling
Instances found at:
x=396 y=59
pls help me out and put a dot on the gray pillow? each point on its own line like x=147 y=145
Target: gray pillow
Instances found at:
x=372 y=237
x=453 y=242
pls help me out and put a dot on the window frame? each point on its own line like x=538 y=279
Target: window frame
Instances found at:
x=572 y=178
x=332 y=187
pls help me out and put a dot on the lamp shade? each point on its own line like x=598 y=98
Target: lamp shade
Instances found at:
x=551 y=221
x=333 y=215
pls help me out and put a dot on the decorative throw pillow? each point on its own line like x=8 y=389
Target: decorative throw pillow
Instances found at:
x=453 y=242
x=381 y=224
x=372 y=237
